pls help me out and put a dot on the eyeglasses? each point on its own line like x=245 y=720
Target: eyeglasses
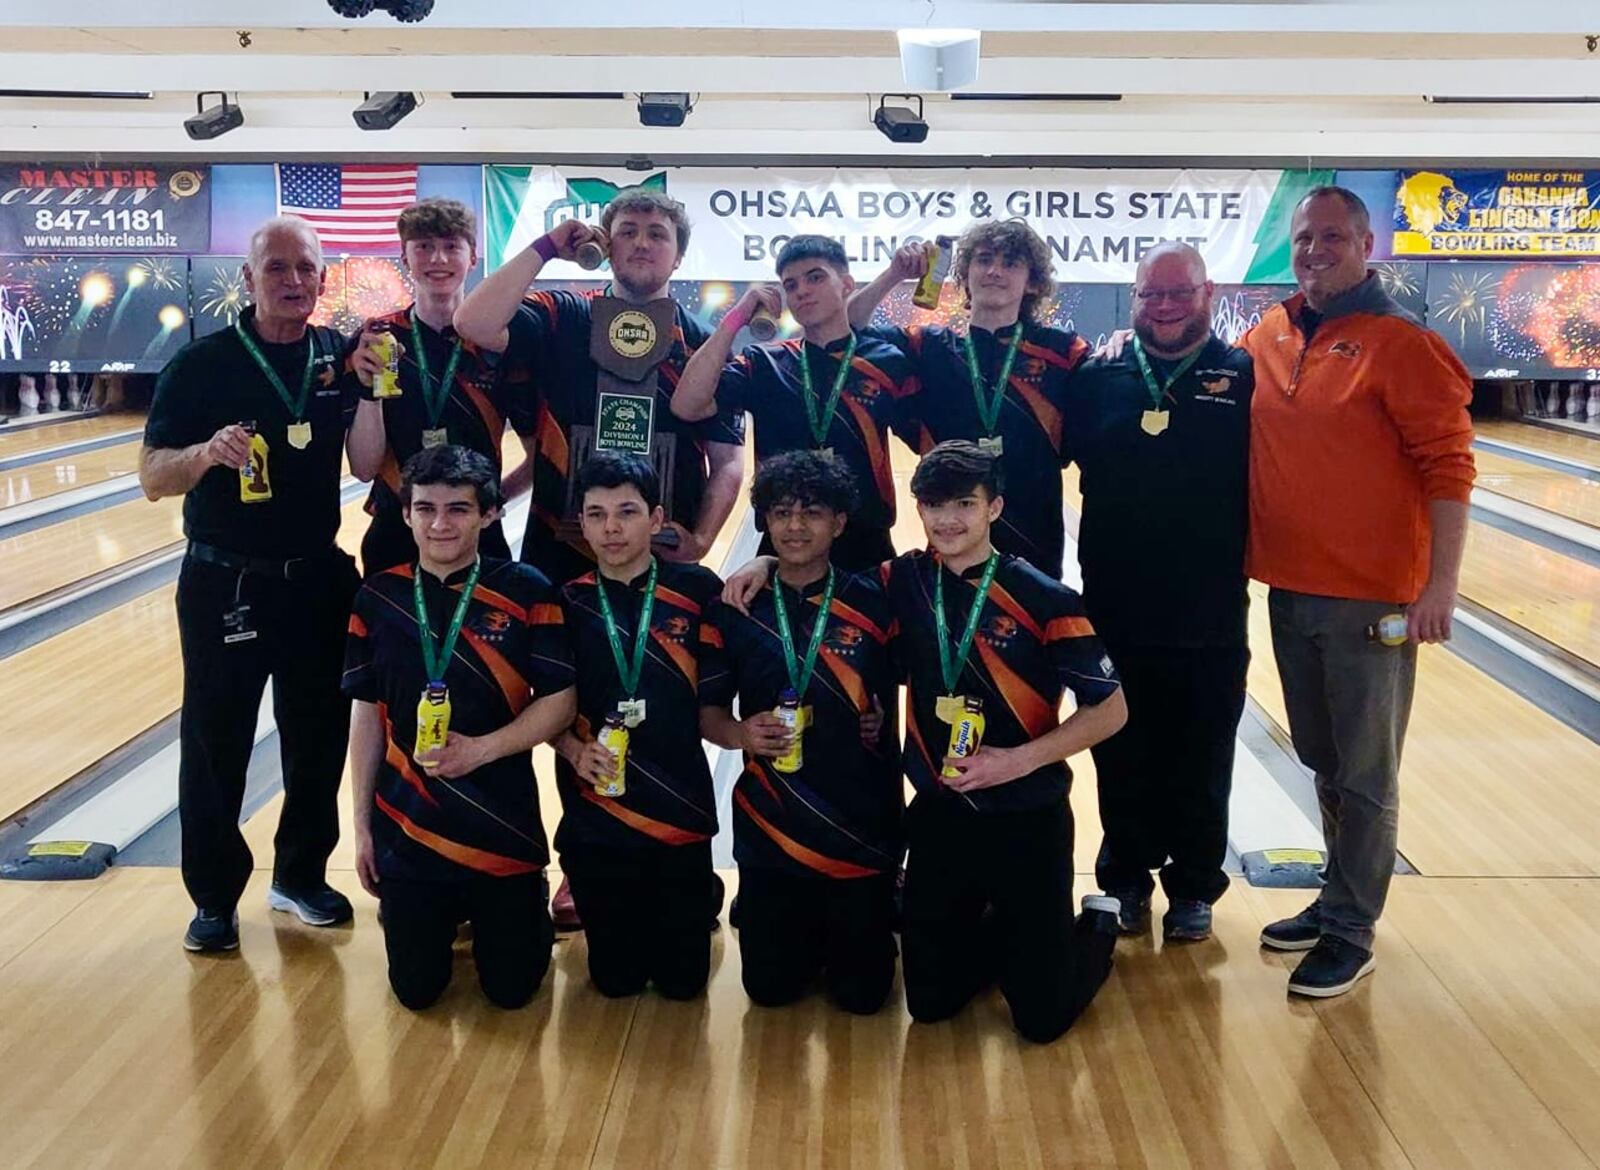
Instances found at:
x=1186 y=293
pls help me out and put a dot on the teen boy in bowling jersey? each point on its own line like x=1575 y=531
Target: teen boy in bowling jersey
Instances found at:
x=992 y=829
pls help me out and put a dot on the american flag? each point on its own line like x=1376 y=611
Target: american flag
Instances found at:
x=352 y=207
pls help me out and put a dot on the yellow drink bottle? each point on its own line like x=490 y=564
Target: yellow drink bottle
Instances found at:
x=386 y=382
x=788 y=713
x=255 y=485
x=966 y=733
x=929 y=287
x=1390 y=629
x=614 y=738
x=433 y=718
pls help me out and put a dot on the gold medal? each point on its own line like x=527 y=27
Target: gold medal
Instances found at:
x=1153 y=422
x=300 y=435
x=993 y=444
x=949 y=708
x=435 y=437
x=632 y=712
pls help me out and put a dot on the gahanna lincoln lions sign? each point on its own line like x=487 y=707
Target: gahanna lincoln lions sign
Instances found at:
x=55 y=208
x=1507 y=214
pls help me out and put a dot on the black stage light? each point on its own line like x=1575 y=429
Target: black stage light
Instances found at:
x=212 y=121
x=898 y=123
x=382 y=110
x=663 y=109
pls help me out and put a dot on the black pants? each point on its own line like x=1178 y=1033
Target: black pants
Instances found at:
x=858 y=550
x=300 y=632
x=511 y=935
x=988 y=897
x=794 y=928
x=1165 y=777
x=389 y=542
x=644 y=915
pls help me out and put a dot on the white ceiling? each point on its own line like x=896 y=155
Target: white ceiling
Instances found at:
x=1321 y=82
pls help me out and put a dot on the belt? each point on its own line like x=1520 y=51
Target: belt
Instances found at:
x=290 y=569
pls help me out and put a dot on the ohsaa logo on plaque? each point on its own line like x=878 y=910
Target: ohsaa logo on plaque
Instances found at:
x=632 y=333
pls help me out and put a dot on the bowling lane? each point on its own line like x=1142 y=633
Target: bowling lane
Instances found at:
x=48 y=558
x=1555 y=491
x=1547 y=593
x=52 y=476
x=1544 y=440
x=23 y=442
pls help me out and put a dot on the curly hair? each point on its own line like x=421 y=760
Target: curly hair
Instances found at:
x=1013 y=239
x=802 y=477
x=437 y=219
x=648 y=199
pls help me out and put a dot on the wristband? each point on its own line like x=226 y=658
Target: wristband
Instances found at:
x=546 y=247
x=736 y=318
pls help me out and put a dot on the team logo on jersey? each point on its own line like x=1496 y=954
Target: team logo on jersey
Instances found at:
x=676 y=627
x=844 y=638
x=495 y=624
x=1217 y=381
x=1000 y=629
x=1349 y=349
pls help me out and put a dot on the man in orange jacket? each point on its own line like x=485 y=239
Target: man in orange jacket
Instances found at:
x=1360 y=474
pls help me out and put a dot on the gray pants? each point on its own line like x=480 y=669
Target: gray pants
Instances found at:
x=1348 y=699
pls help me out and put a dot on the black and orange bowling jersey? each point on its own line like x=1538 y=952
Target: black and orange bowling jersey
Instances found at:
x=512 y=649
x=839 y=815
x=1029 y=426
x=1033 y=643
x=669 y=798
x=549 y=340
x=481 y=401
x=765 y=381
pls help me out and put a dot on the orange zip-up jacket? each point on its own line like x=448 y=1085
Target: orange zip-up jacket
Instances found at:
x=1352 y=432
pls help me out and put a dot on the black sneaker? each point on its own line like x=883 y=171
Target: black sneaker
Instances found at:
x=1332 y=968
x=1102 y=914
x=719 y=890
x=1134 y=917
x=1186 y=920
x=1299 y=933
x=212 y=933
x=324 y=907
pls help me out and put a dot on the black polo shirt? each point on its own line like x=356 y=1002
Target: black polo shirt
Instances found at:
x=549 y=340
x=669 y=799
x=512 y=649
x=765 y=381
x=1030 y=425
x=1162 y=540
x=212 y=382
x=839 y=815
x=1033 y=642
x=480 y=403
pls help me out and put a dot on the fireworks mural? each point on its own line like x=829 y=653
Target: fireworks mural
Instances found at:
x=1536 y=319
x=86 y=314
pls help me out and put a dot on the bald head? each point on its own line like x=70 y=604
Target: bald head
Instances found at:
x=1172 y=300
x=284 y=275
x=1172 y=258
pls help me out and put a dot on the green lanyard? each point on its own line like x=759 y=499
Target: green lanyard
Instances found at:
x=296 y=407
x=434 y=402
x=800 y=673
x=989 y=404
x=1158 y=391
x=435 y=666
x=951 y=670
x=629 y=676
x=819 y=427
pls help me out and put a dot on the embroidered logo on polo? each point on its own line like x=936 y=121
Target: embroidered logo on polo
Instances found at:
x=1000 y=629
x=1349 y=349
x=495 y=624
x=844 y=639
x=676 y=627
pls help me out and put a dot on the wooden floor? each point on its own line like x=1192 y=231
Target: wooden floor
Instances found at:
x=1560 y=492
x=1548 y=440
x=15 y=441
x=1547 y=593
x=52 y=476
x=48 y=558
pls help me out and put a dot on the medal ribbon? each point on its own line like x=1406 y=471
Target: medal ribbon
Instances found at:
x=296 y=407
x=629 y=673
x=819 y=427
x=436 y=658
x=1158 y=391
x=433 y=402
x=989 y=404
x=951 y=669
x=800 y=673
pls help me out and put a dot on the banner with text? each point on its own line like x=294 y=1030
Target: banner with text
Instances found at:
x=1098 y=223
x=1508 y=214
x=55 y=208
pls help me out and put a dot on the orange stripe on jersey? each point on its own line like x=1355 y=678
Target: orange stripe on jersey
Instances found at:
x=402 y=570
x=680 y=655
x=809 y=858
x=1068 y=627
x=357 y=628
x=856 y=618
x=876 y=455
x=400 y=760
x=512 y=684
x=849 y=678
x=673 y=597
x=494 y=864
x=1043 y=410
x=501 y=601
x=1076 y=352
x=760 y=773
x=710 y=635
x=492 y=422
x=551 y=442
x=649 y=826
x=546 y=303
x=873 y=374
x=1026 y=704
x=546 y=613
x=1008 y=603
x=390 y=471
